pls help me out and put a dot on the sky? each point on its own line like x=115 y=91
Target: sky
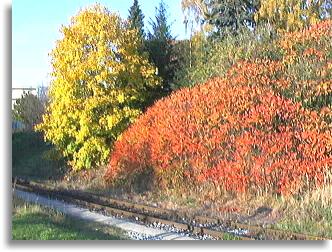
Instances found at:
x=36 y=27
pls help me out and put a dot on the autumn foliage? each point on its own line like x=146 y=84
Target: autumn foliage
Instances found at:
x=292 y=15
x=252 y=130
x=307 y=63
x=100 y=83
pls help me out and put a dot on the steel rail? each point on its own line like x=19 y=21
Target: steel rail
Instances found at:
x=199 y=225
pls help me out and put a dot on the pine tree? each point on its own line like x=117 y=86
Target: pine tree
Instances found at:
x=231 y=15
x=160 y=46
x=161 y=30
x=136 y=19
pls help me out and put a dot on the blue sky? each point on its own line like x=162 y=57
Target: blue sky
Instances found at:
x=36 y=25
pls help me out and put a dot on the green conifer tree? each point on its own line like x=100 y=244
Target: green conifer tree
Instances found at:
x=231 y=15
x=136 y=19
x=160 y=46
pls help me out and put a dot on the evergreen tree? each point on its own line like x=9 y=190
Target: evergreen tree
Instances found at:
x=161 y=30
x=160 y=46
x=231 y=15
x=136 y=19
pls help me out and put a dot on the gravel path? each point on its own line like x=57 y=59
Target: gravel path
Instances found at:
x=134 y=230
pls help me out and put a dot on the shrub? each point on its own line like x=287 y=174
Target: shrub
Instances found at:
x=307 y=64
x=254 y=129
x=306 y=55
x=236 y=133
x=208 y=58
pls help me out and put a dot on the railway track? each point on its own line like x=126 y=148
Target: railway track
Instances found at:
x=197 y=225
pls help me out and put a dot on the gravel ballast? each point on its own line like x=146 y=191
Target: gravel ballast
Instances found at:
x=134 y=230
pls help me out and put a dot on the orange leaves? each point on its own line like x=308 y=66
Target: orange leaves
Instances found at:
x=312 y=52
x=244 y=132
x=307 y=64
x=314 y=33
x=226 y=133
x=324 y=88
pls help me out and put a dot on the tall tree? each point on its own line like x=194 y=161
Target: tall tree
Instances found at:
x=231 y=15
x=195 y=13
x=99 y=83
x=292 y=15
x=136 y=19
x=160 y=28
x=160 y=46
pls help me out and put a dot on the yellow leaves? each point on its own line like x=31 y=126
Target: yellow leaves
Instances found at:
x=82 y=134
x=96 y=70
x=97 y=150
x=131 y=113
x=121 y=98
x=289 y=15
x=324 y=88
x=99 y=78
x=112 y=120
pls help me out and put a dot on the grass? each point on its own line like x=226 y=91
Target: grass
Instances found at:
x=230 y=237
x=33 y=222
x=310 y=214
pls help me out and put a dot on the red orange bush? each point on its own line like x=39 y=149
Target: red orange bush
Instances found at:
x=236 y=137
x=240 y=133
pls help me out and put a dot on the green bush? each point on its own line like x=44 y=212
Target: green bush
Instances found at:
x=209 y=57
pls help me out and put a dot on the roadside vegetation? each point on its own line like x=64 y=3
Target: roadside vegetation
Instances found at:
x=33 y=222
x=35 y=159
x=310 y=213
x=234 y=122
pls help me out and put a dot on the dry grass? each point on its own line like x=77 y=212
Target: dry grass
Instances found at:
x=309 y=213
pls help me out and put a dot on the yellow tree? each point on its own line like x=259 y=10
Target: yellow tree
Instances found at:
x=99 y=83
x=292 y=15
